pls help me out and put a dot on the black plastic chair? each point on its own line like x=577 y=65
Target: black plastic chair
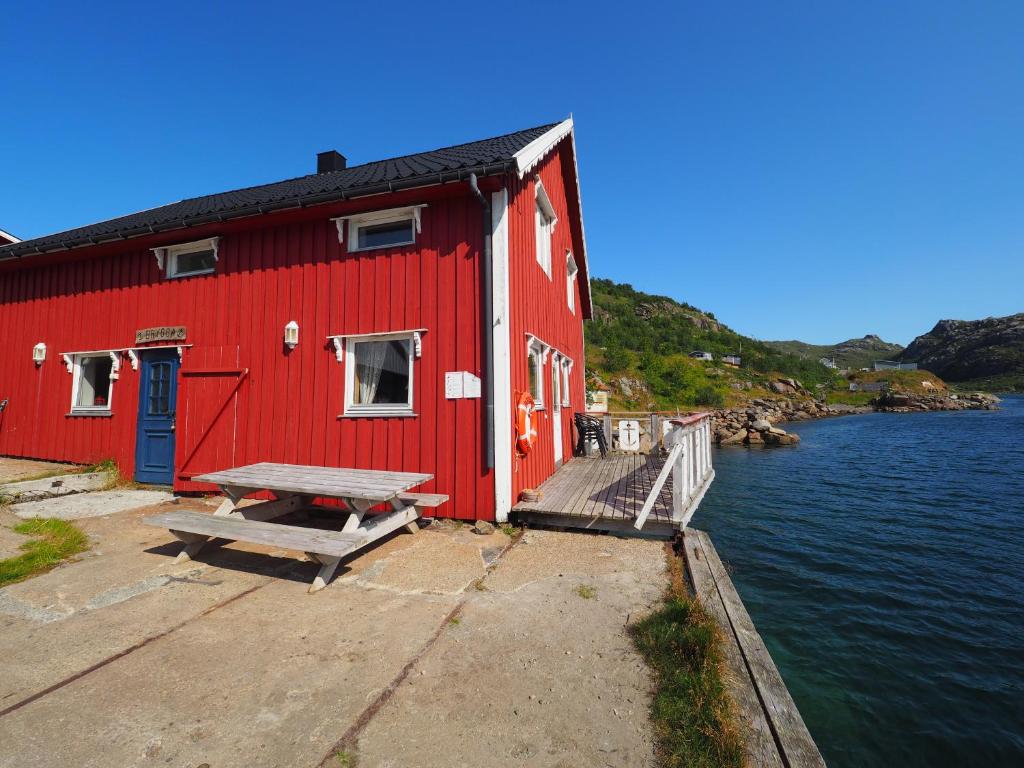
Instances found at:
x=589 y=428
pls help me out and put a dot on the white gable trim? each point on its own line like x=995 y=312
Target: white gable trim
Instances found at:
x=10 y=237
x=528 y=157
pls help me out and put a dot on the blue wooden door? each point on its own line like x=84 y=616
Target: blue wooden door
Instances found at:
x=154 y=442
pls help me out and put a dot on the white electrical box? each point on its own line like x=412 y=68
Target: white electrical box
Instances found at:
x=461 y=384
x=470 y=385
x=453 y=385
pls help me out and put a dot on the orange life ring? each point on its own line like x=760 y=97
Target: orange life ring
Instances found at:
x=525 y=433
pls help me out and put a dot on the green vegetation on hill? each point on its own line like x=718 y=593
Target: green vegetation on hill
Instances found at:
x=910 y=382
x=852 y=353
x=641 y=342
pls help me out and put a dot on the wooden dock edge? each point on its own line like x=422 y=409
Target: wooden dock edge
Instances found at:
x=774 y=732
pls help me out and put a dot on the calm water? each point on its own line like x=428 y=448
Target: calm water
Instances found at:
x=883 y=562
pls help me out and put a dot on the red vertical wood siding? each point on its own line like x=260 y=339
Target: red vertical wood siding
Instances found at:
x=540 y=306
x=288 y=407
x=278 y=268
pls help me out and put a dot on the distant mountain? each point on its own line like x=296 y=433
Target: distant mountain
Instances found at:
x=989 y=353
x=852 y=353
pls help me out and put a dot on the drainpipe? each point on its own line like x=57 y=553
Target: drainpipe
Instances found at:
x=487 y=291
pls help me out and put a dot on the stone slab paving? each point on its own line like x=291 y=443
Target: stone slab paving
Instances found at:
x=95 y=504
x=59 y=485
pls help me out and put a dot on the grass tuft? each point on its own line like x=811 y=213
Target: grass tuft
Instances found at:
x=694 y=719
x=53 y=541
x=586 y=591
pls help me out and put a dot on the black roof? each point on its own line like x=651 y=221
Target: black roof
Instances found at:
x=485 y=157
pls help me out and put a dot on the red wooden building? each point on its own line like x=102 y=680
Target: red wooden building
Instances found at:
x=385 y=315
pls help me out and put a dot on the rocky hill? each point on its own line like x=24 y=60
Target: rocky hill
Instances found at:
x=852 y=353
x=638 y=347
x=988 y=354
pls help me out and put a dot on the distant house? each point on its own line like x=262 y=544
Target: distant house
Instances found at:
x=828 y=362
x=894 y=365
x=6 y=238
x=701 y=355
x=733 y=360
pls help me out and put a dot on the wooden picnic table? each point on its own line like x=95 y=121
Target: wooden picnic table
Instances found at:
x=295 y=487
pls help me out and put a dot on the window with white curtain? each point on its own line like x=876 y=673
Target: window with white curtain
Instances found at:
x=379 y=376
x=92 y=386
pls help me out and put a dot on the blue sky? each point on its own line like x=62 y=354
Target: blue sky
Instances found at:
x=803 y=170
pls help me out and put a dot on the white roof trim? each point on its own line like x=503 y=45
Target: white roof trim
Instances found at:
x=583 y=226
x=10 y=237
x=528 y=157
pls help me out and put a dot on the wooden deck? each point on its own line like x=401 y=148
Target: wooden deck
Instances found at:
x=774 y=733
x=602 y=494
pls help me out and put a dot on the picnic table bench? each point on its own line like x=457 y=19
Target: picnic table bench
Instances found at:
x=295 y=487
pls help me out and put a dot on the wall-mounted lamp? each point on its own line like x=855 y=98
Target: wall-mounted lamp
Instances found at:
x=291 y=335
x=39 y=353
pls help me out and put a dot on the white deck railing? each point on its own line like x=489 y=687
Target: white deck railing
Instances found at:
x=689 y=464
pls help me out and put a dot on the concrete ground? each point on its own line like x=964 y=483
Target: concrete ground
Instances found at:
x=418 y=654
x=12 y=470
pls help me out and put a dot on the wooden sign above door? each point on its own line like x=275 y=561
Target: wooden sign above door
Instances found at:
x=163 y=333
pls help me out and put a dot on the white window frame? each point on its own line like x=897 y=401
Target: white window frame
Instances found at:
x=546 y=220
x=354 y=409
x=537 y=353
x=566 y=370
x=76 y=382
x=571 y=271
x=352 y=224
x=167 y=257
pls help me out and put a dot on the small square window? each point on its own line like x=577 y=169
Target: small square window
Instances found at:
x=379 y=376
x=92 y=386
x=194 y=263
x=189 y=259
x=386 y=235
x=380 y=229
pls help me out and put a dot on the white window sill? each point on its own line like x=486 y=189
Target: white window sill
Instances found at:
x=80 y=412
x=191 y=274
x=381 y=247
x=382 y=414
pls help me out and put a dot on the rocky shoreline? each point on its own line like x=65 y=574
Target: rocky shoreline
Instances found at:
x=754 y=424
